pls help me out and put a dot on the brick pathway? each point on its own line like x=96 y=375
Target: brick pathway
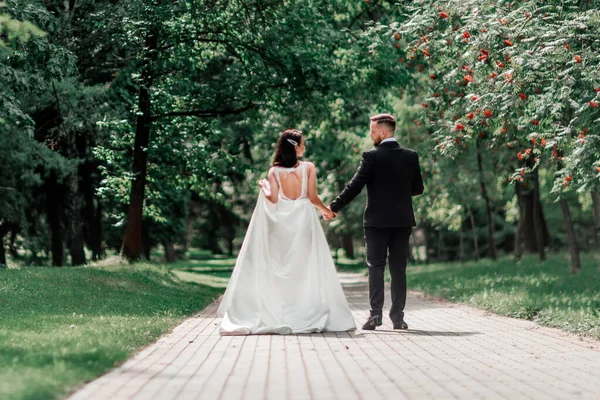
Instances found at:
x=451 y=351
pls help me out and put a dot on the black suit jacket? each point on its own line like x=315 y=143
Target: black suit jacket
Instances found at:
x=392 y=175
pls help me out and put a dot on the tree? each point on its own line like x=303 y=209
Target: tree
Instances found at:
x=23 y=74
x=198 y=62
x=514 y=75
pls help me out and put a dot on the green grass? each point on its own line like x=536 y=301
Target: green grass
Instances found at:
x=214 y=272
x=544 y=292
x=356 y=265
x=60 y=327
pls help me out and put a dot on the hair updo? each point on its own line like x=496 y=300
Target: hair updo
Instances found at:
x=285 y=155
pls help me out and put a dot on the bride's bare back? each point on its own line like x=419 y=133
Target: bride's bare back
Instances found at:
x=295 y=183
x=290 y=181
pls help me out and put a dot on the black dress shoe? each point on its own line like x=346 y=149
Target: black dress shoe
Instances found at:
x=400 y=325
x=373 y=322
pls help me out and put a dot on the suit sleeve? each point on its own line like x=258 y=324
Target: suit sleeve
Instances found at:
x=356 y=184
x=417 y=183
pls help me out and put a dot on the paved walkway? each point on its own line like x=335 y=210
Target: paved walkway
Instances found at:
x=451 y=351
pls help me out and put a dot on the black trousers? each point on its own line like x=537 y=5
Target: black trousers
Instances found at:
x=379 y=241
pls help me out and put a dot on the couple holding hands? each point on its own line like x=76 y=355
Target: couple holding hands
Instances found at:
x=284 y=280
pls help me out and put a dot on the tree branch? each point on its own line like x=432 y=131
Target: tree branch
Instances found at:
x=360 y=14
x=205 y=113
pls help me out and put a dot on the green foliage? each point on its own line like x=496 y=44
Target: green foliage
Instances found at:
x=62 y=327
x=21 y=158
x=24 y=74
x=12 y=30
x=519 y=75
x=508 y=78
x=226 y=80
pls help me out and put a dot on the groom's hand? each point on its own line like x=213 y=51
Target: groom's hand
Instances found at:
x=333 y=214
x=327 y=215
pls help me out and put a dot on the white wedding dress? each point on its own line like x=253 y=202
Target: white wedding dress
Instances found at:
x=284 y=279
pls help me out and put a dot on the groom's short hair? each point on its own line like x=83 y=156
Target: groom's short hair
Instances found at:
x=387 y=119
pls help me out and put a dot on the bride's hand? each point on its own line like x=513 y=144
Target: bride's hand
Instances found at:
x=265 y=186
x=328 y=214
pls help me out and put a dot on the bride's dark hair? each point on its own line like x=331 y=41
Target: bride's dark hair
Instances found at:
x=285 y=155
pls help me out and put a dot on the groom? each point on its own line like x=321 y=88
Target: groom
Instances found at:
x=392 y=175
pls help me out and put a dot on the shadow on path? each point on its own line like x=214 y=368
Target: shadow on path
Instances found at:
x=417 y=332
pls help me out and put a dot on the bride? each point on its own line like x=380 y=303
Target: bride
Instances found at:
x=284 y=279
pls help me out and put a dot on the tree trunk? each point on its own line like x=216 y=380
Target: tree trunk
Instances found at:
x=194 y=207
x=348 y=244
x=169 y=251
x=56 y=246
x=72 y=202
x=12 y=247
x=538 y=221
x=54 y=209
x=2 y=254
x=213 y=230
x=73 y=207
x=572 y=239
x=213 y=245
x=426 y=241
x=228 y=227
x=92 y=210
x=518 y=247
x=73 y=216
x=488 y=207
x=527 y=230
x=96 y=236
x=518 y=233
x=532 y=232
x=440 y=244
x=230 y=247
x=132 y=241
x=146 y=244
x=461 y=243
x=475 y=242
x=596 y=205
x=3 y=232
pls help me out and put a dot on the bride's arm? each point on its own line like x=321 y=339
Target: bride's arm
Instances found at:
x=270 y=187
x=312 y=190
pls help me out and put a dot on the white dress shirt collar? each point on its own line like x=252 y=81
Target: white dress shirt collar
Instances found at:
x=390 y=139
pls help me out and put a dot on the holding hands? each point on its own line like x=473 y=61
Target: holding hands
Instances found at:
x=328 y=214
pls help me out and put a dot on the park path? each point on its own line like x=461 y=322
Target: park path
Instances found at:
x=450 y=352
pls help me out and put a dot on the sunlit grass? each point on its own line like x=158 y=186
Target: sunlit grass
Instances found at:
x=212 y=272
x=60 y=327
x=545 y=292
